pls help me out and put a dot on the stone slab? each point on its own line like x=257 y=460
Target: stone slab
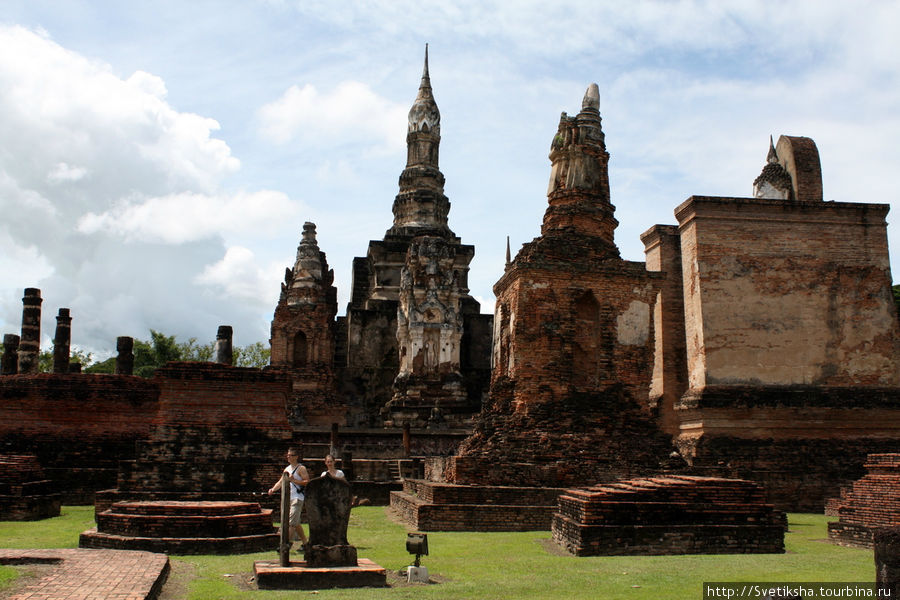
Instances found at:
x=270 y=575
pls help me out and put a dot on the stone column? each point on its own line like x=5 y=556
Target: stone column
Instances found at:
x=407 y=440
x=125 y=355
x=887 y=561
x=9 y=365
x=333 y=449
x=61 y=341
x=224 y=350
x=30 y=342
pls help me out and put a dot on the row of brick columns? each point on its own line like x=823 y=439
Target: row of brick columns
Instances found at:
x=21 y=353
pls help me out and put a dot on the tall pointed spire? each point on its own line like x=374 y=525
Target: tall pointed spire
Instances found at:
x=424 y=114
x=508 y=255
x=421 y=206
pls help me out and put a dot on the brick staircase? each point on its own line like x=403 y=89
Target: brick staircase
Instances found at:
x=668 y=515
x=184 y=527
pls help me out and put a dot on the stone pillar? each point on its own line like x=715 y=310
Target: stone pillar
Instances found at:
x=407 y=442
x=887 y=561
x=9 y=365
x=74 y=367
x=334 y=440
x=125 y=355
x=347 y=465
x=30 y=342
x=224 y=350
x=61 y=341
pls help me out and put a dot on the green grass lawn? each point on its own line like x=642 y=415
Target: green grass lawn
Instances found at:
x=489 y=565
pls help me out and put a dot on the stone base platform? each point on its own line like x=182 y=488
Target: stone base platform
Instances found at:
x=431 y=506
x=270 y=575
x=184 y=527
x=669 y=515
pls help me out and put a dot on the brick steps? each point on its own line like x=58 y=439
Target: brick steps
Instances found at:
x=229 y=545
x=184 y=527
x=668 y=515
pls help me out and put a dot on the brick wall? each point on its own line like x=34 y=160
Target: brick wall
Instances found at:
x=79 y=426
x=218 y=428
x=782 y=293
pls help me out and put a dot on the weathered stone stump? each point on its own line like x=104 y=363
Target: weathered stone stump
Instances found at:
x=328 y=507
x=125 y=355
x=224 y=348
x=30 y=342
x=9 y=364
x=887 y=561
x=62 y=341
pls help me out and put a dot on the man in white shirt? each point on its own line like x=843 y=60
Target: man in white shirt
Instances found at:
x=298 y=477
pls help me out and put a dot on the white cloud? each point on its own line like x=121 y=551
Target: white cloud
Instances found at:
x=188 y=216
x=238 y=275
x=63 y=172
x=92 y=158
x=351 y=109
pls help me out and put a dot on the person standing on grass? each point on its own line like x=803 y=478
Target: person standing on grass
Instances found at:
x=298 y=478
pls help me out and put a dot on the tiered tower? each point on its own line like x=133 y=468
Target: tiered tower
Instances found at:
x=413 y=348
x=573 y=338
x=303 y=333
x=417 y=348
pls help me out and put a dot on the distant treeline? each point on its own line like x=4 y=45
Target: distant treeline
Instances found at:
x=160 y=349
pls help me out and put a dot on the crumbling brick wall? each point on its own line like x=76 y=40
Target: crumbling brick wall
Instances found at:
x=79 y=426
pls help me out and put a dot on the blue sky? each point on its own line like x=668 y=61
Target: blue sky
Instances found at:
x=159 y=158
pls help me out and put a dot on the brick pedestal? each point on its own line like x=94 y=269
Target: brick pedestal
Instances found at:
x=870 y=503
x=184 y=528
x=669 y=515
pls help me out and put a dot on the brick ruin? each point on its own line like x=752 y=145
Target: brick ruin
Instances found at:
x=412 y=348
x=573 y=334
x=25 y=492
x=758 y=341
x=572 y=360
x=869 y=503
x=669 y=515
x=778 y=332
x=214 y=446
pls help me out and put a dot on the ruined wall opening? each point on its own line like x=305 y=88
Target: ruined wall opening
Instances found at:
x=586 y=369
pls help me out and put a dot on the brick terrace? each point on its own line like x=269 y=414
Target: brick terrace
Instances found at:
x=184 y=527
x=669 y=515
x=92 y=574
x=871 y=502
x=430 y=506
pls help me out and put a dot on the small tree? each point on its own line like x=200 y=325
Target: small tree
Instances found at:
x=254 y=355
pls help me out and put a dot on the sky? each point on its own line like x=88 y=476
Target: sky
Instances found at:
x=158 y=158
